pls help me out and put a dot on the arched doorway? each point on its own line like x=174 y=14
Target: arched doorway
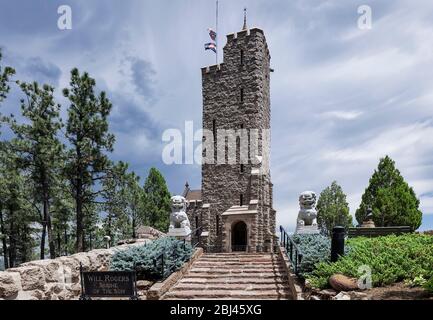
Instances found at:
x=239 y=237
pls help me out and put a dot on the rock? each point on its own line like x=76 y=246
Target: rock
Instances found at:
x=32 y=277
x=37 y=295
x=53 y=269
x=307 y=285
x=314 y=298
x=82 y=259
x=342 y=296
x=144 y=285
x=71 y=269
x=340 y=282
x=327 y=294
x=8 y=285
x=355 y=295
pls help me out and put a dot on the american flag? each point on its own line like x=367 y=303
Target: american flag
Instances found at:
x=210 y=46
x=212 y=34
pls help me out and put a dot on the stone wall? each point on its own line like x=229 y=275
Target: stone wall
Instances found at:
x=57 y=279
x=236 y=96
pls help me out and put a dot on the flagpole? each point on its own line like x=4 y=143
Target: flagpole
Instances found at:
x=216 y=39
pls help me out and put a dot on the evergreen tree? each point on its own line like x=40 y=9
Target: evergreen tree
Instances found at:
x=87 y=132
x=333 y=209
x=115 y=202
x=5 y=74
x=156 y=201
x=17 y=215
x=123 y=203
x=393 y=202
x=40 y=151
x=134 y=195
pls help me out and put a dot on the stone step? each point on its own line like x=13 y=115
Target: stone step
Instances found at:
x=242 y=280
x=268 y=275
x=228 y=294
x=214 y=260
x=239 y=265
x=254 y=270
x=230 y=286
x=238 y=255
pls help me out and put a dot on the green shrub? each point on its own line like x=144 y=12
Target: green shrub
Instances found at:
x=315 y=248
x=391 y=259
x=143 y=258
x=429 y=285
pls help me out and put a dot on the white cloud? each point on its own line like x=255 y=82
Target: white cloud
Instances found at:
x=342 y=115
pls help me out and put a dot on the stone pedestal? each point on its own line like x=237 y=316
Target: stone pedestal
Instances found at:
x=368 y=224
x=307 y=230
x=180 y=233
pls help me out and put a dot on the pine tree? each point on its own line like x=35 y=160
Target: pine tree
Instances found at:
x=156 y=201
x=5 y=74
x=115 y=202
x=90 y=140
x=135 y=202
x=40 y=151
x=333 y=209
x=17 y=215
x=393 y=202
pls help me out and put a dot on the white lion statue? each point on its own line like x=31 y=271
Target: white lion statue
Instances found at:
x=178 y=216
x=308 y=214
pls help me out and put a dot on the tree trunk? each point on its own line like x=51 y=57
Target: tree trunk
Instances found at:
x=66 y=241
x=12 y=243
x=79 y=203
x=43 y=236
x=51 y=242
x=4 y=242
x=134 y=236
x=59 y=244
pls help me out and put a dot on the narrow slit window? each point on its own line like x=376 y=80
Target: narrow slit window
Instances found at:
x=242 y=94
x=214 y=129
x=242 y=57
x=241 y=200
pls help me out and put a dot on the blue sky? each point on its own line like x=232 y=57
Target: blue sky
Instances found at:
x=341 y=97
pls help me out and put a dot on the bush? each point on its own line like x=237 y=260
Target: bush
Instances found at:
x=429 y=285
x=391 y=259
x=315 y=248
x=143 y=257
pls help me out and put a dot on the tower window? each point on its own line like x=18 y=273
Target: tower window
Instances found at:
x=242 y=94
x=242 y=168
x=214 y=129
x=241 y=200
x=242 y=57
x=217 y=224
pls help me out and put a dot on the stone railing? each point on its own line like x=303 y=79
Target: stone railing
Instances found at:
x=56 y=279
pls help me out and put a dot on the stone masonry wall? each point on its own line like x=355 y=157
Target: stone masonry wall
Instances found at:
x=222 y=184
x=57 y=279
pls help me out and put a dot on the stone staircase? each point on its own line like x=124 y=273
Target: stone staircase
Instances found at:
x=228 y=276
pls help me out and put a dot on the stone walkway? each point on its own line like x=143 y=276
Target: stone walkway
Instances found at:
x=227 y=276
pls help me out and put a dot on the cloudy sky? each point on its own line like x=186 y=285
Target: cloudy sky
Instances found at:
x=342 y=97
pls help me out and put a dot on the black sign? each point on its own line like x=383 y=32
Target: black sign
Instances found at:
x=108 y=284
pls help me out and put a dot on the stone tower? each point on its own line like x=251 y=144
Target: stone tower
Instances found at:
x=234 y=206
